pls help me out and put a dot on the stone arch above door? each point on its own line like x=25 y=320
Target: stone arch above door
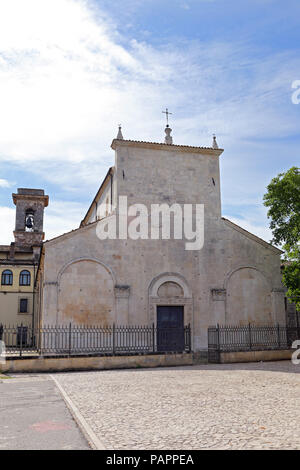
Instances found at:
x=163 y=278
x=170 y=289
x=85 y=293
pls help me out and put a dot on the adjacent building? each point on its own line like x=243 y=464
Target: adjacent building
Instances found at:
x=19 y=262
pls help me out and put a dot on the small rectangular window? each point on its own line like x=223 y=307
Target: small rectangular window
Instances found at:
x=23 y=305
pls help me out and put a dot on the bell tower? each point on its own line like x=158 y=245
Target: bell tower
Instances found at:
x=30 y=204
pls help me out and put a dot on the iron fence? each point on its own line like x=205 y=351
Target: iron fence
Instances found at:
x=249 y=338
x=74 y=340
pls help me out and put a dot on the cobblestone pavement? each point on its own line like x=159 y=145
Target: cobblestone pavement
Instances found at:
x=246 y=406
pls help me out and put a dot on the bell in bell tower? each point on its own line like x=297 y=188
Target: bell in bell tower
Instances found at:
x=30 y=205
x=29 y=221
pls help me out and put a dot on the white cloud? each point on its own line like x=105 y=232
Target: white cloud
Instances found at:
x=62 y=217
x=66 y=81
x=7 y=217
x=67 y=78
x=4 y=183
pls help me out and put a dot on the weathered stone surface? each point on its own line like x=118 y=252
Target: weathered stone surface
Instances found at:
x=29 y=200
x=76 y=363
x=86 y=294
x=234 y=267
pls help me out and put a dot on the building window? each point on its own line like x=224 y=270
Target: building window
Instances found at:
x=23 y=305
x=25 y=278
x=7 y=278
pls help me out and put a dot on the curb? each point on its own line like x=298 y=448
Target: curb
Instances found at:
x=89 y=434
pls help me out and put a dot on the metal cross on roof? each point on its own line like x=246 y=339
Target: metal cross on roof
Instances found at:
x=166 y=112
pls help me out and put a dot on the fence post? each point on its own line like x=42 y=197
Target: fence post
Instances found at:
x=153 y=338
x=250 y=338
x=218 y=345
x=21 y=339
x=70 y=338
x=278 y=335
x=114 y=345
x=218 y=337
x=39 y=341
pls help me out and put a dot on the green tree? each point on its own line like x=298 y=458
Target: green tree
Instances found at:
x=283 y=200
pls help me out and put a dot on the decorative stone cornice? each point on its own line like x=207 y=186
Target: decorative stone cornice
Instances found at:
x=31 y=197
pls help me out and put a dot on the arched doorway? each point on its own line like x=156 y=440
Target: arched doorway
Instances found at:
x=170 y=303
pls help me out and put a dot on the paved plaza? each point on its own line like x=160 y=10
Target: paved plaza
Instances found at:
x=34 y=416
x=240 y=406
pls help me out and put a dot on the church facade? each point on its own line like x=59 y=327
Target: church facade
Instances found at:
x=232 y=277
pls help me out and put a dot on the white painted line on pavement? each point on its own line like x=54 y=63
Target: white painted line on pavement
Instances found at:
x=84 y=426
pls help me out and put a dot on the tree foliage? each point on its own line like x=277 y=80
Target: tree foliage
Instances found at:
x=283 y=200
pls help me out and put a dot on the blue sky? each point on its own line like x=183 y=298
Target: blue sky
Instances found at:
x=71 y=70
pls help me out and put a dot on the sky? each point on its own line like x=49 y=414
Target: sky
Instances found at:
x=72 y=70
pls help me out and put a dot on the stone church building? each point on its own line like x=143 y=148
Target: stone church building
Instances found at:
x=233 y=279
